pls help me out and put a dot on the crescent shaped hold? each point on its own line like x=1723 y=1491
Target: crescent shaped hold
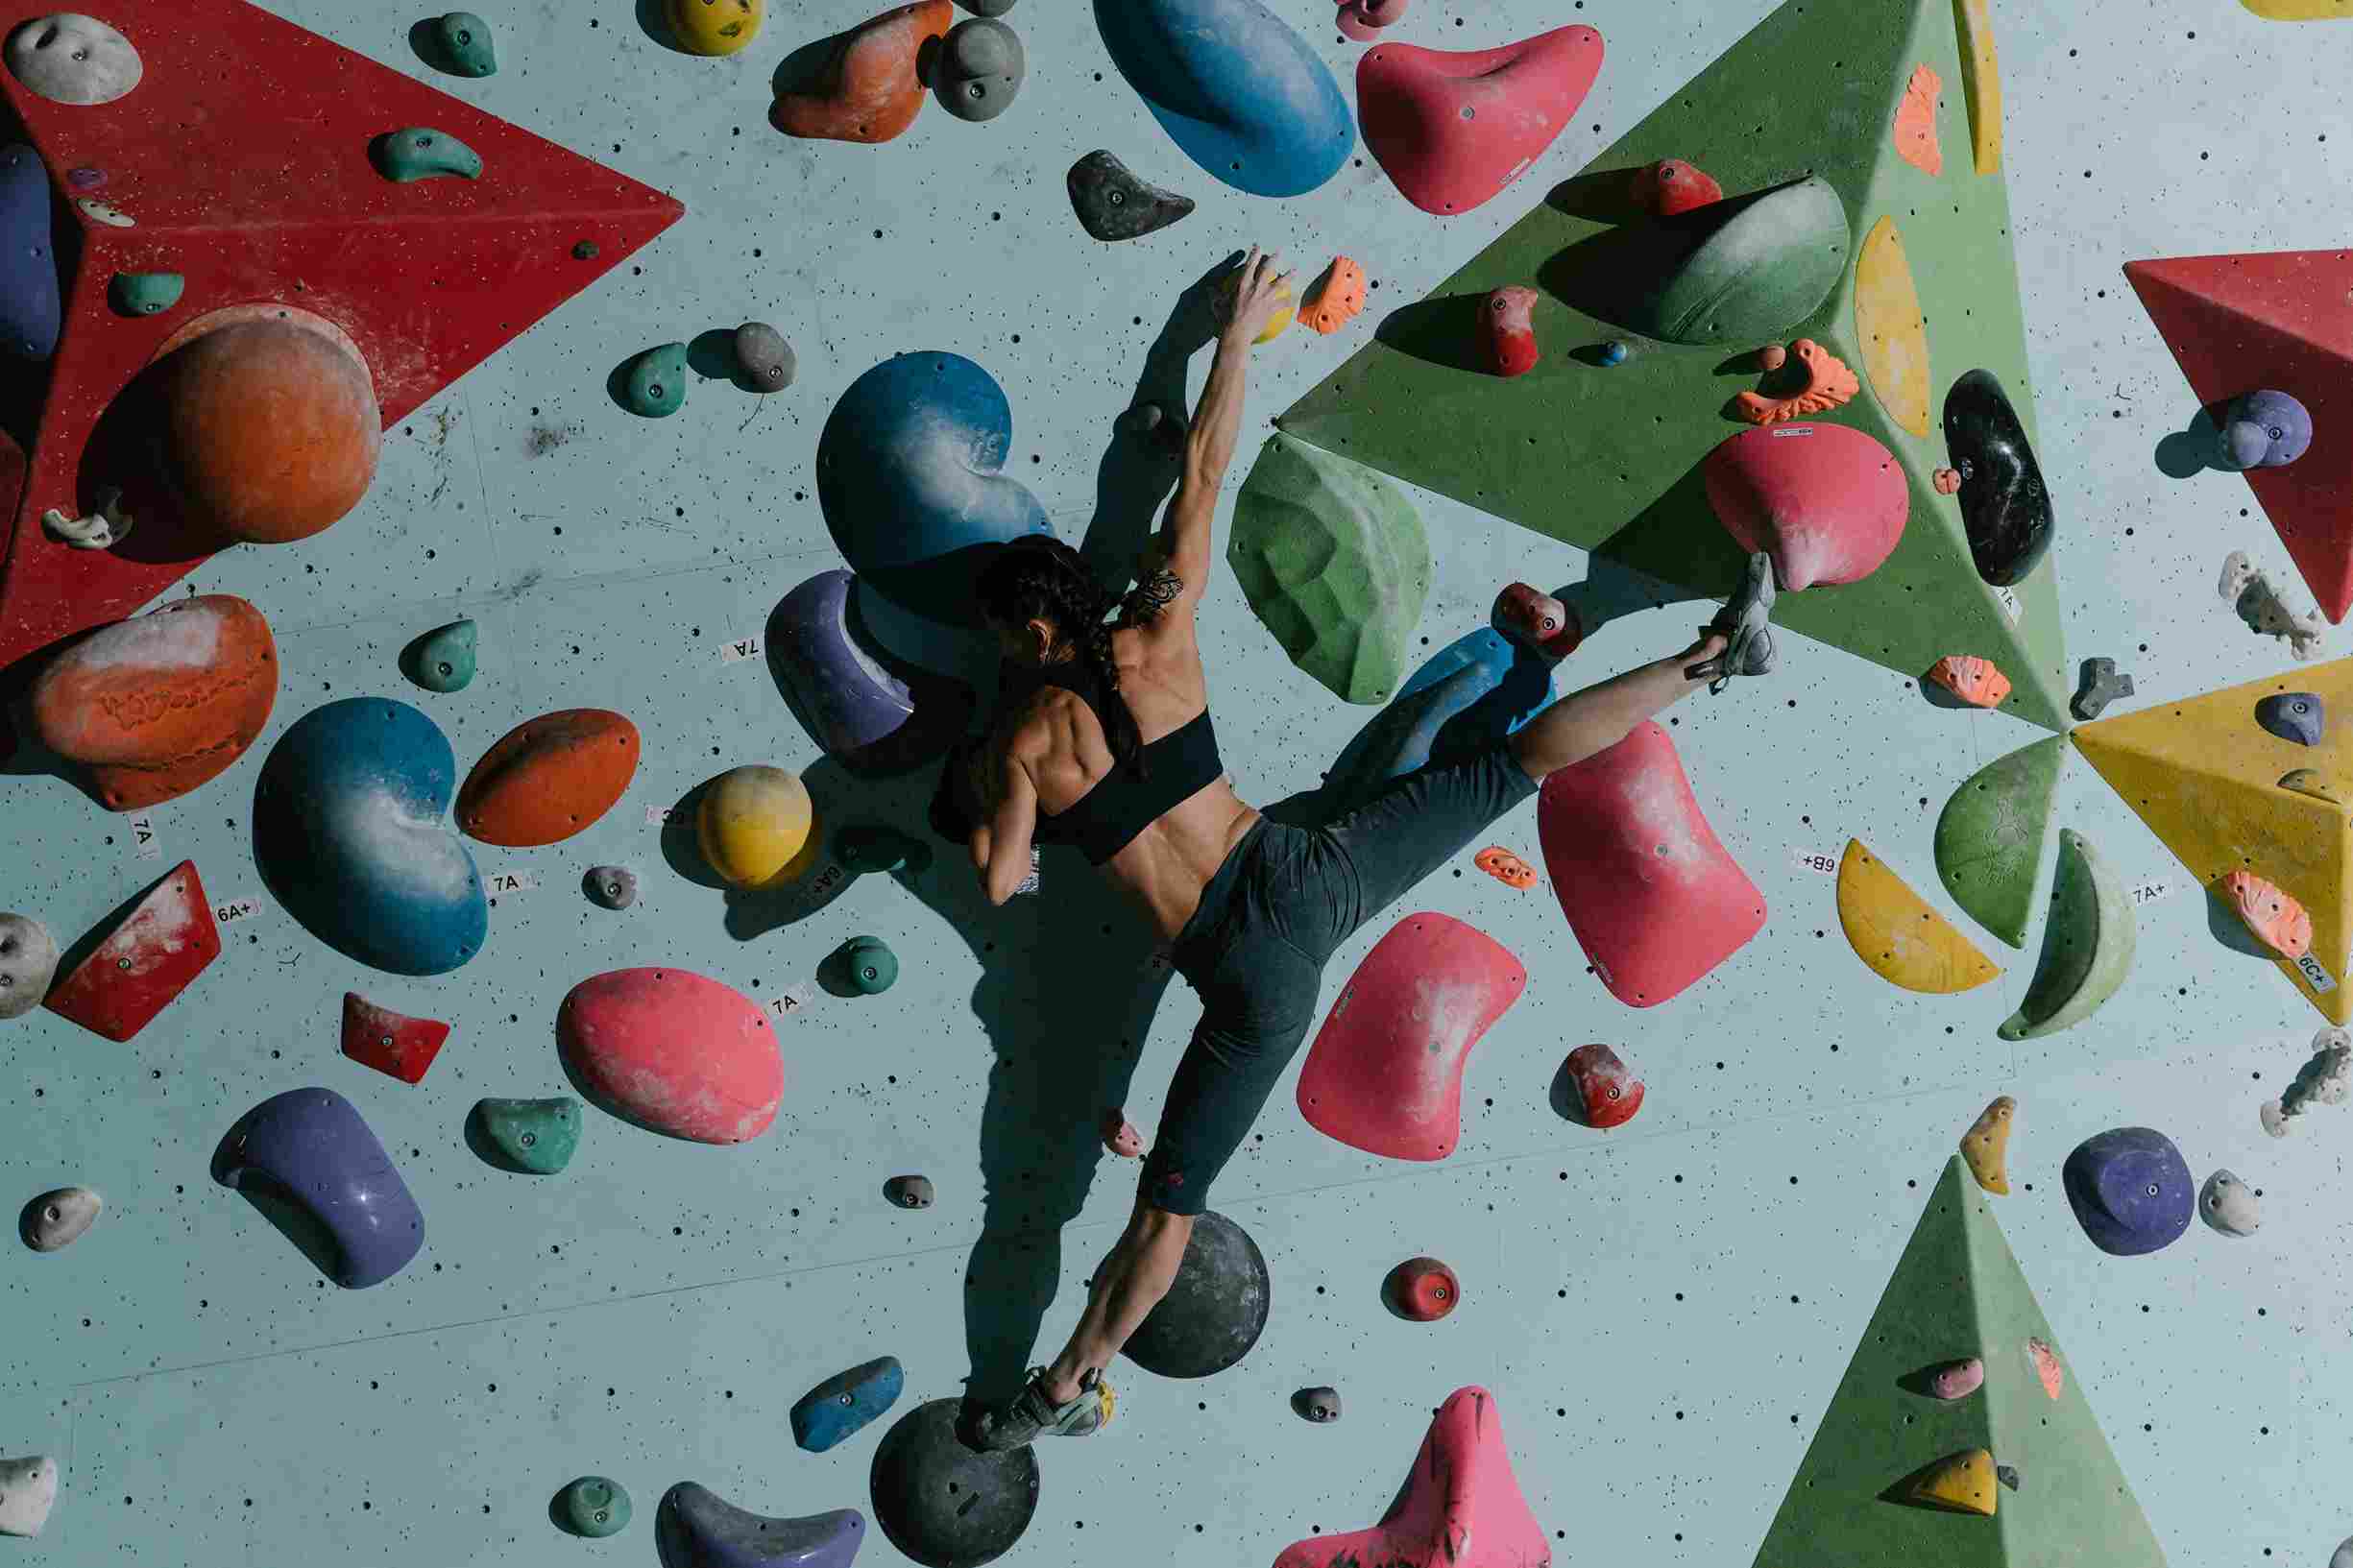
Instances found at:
x=1891 y=328
x=1990 y=837
x=1898 y=937
x=2086 y=945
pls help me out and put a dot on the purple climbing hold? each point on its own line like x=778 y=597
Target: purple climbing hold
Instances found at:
x=2266 y=430
x=871 y=712
x=2130 y=1189
x=2300 y=717
x=696 y=1527
x=313 y=1145
x=30 y=311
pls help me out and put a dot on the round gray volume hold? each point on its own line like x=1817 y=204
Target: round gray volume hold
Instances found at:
x=768 y=360
x=981 y=64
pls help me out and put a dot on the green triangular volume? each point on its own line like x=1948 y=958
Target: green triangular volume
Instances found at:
x=1990 y=837
x=1609 y=459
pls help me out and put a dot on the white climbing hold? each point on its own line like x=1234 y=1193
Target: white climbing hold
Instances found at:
x=102 y=530
x=2342 y=1557
x=28 y=1491
x=2326 y=1080
x=71 y=58
x=2260 y=605
x=113 y=217
x=56 y=1221
x=2226 y=1203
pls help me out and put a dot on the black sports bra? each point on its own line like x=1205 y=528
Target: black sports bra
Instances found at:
x=1106 y=819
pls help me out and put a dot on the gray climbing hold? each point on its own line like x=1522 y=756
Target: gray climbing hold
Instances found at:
x=2007 y=1475
x=443 y=660
x=2226 y=1204
x=28 y=963
x=980 y=68
x=28 y=1491
x=56 y=1221
x=988 y=7
x=656 y=385
x=145 y=293
x=462 y=45
x=594 y=1507
x=422 y=152
x=2101 y=685
x=70 y=59
x=1316 y=1405
x=1114 y=204
x=2300 y=717
x=765 y=357
x=909 y=1192
x=611 y=887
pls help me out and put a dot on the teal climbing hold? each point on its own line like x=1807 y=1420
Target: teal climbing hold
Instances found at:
x=843 y=1404
x=1990 y=838
x=1334 y=562
x=867 y=965
x=462 y=45
x=594 y=1507
x=145 y=293
x=537 y=1135
x=656 y=385
x=422 y=152
x=443 y=660
x=865 y=847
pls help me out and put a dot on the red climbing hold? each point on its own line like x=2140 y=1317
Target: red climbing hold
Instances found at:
x=1509 y=320
x=390 y=1042
x=1461 y=1506
x=156 y=953
x=1826 y=501
x=1454 y=128
x=1671 y=185
x=1653 y=897
x=673 y=1052
x=1606 y=1090
x=1385 y=1073
x=1421 y=1289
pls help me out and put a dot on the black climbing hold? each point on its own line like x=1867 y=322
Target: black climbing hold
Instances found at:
x=1114 y=204
x=2005 y=507
x=2300 y=717
x=2007 y=1475
x=909 y=1192
x=611 y=887
x=1316 y=1405
x=1214 y=1311
x=980 y=68
x=944 y=1503
x=696 y=1527
x=2101 y=685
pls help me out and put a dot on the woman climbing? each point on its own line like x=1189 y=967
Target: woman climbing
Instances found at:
x=1103 y=741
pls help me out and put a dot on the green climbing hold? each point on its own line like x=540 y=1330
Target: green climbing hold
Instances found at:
x=443 y=660
x=145 y=293
x=656 y=385
x=462 y=45
x=867 y=965
x=1762 y=263
x=865 y=847
x=1334 y=562
x=1989 y=841
x=422 y=152
x=2086 y=945
x=539 y=1135
x=594 y=1507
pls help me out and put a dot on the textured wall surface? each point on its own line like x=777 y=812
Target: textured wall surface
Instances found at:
x=1663 y=1310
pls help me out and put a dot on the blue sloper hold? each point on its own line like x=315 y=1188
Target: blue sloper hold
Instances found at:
x=313 y=1145
x=694 y=1528
x=351 y=833
x=842 y=1404
x=2130 y=1189
x=908 y=474
x=1467 y=696
x=1235 y=87
x=30 y=311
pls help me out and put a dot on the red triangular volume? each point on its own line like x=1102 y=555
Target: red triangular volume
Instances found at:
x=272 y=198
x=156 y=953
x=2280 y=320
x=390 y=1042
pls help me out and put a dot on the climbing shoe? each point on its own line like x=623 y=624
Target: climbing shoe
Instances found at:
x=1030 y=1416
x=1746 y=623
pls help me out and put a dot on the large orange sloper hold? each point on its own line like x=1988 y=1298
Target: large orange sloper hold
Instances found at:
x=1338 y=298
x=550 y=778
x=871 y=90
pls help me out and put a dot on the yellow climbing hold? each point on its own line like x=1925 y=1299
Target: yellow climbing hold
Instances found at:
x=716 y=26
x=1962 y=1483
x=2211 y=782
x=2301 y=11
x=1899 y=936
x=1888 y=325
x=757 y=828
x=1980 y=81
x=1986 y=1146
x=2304 y=781
x=1276 y=323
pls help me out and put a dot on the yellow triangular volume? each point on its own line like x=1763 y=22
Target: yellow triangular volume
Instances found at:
x=1898 y=935
x=2206 y=778
x=1962 y=1481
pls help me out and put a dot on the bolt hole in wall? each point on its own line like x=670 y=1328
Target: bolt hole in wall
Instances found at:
x=586 y=513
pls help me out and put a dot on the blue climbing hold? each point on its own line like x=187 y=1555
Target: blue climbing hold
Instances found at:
x=313 y=1146
x=1614 y=353
x=696 y=1527
x=2130 y=1189
x=874 y=713
x=31 y=312
x=1235 y=87
x=908 y=474
x=842 y=1404
x=352 y=832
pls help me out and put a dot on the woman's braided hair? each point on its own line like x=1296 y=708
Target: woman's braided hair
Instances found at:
x=1037 y=577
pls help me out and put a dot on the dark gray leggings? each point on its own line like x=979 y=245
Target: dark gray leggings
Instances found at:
x=1269 y=920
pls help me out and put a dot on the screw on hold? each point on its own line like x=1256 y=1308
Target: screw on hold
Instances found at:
x=122 y=963
x=530 y=1140
x=384 y=1040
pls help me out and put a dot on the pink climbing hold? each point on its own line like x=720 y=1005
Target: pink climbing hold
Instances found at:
x=1120 y=1135
x=1607 y=1092
x=1461 y=1506
x=1653 y=897
x=1385 y=1073
x=1671 y=186
x=392 y=1043
x=145 y=962
x=2046 y=1368
x=1363 y=19
x=1508 y=322
x=1454 y=128
x=1959 y=1379
x=1947 y=481
x=1422 y=1291
x=1827 y=501
x=675 y=1052
x=2277 y=921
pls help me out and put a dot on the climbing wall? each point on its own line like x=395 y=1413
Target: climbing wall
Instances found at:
x=1675 y=1315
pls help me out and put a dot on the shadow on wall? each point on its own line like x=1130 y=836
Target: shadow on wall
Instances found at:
x=2195 y=450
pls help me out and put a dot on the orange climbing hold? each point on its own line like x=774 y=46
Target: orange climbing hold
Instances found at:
x=1671 y=185
x=2278 y=921
x=1973 y=680
x=2046 y=1368
x=1916 y=142
x=1505 y=867
x=1828 y=384
x=872 y=88
x=1338 y=298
